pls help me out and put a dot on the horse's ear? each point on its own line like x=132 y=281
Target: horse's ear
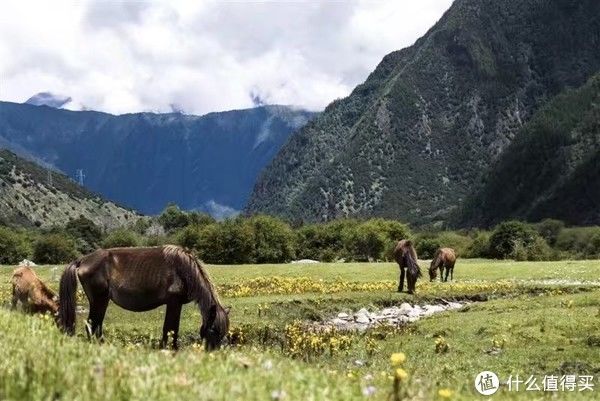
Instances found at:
x=227 y=309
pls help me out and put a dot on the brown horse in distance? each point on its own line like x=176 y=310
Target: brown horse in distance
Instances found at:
x=443 y=258
x=141 y=279
x=34 y=295
x=406 y=257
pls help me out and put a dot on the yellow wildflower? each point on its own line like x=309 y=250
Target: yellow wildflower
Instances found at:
x=445 y=393
x=397 y=358
x=401 y=374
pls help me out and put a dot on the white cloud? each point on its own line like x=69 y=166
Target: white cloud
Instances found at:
x=200 y=56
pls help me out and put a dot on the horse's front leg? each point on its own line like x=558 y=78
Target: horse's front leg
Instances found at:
x=447 y=273
x=15 y=298
x=171 y=325
x=401 y=283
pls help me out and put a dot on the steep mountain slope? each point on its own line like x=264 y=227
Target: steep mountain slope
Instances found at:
x=32 y=195
x=147 y=160
x=412 y=141
x=551 y=169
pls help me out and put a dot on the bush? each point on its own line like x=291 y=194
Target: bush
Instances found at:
x=426 y=246
x=366 y=241
x=480 y=246
x=515 y=239
x=54 y=249
x=173 y=218
x=121 y=238
x=189 y=237
x=14 y=246
x=325 y=242
x=550 y=229
x=229 y=242
x=88 y=234
x=579 y=242
x=273 y=240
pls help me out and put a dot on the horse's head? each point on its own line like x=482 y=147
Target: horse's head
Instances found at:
x=432 y=271
x=216 y=327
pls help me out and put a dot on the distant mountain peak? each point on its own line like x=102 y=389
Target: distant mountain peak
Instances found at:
x=49 y=99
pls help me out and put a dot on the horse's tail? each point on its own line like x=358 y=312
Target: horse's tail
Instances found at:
x=67 y=301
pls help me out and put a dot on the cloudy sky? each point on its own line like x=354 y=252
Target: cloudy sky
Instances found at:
x=200 y=56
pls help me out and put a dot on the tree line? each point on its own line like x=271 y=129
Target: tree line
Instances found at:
x=266 y=239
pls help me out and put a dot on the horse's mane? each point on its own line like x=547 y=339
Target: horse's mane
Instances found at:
x=410 y=256
x=436 y=259
x=199 y=286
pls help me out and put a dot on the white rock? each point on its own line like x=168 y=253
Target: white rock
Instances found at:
x=362 y=311
x=362 y=319
x=343 y=315
x=339 y=322
x=431 y=309
x=405 y=308
x=305 y=261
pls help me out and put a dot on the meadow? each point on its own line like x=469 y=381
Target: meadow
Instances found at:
x=524 y=318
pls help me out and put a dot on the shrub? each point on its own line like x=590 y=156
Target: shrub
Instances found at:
x=480 y=246
x=88 y=234
x=188 y=237
x=550 y=229
x=366 y=241
x=121 y=238
x=273 y=240
x=579 y=242
x=426 y=246
x=509 y=237
x=13 y=246
x=228 y=242
x=53 y=249
x=173 y=218
x=324 y=242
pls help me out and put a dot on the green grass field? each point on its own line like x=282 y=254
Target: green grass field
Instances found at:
x=532 y=318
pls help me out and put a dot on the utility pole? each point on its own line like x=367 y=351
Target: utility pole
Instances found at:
x=80 y=176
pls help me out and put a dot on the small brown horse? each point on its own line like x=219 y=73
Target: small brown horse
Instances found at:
x=34 y=295
x=406 y=256
x=443 y=258
x=141 y=279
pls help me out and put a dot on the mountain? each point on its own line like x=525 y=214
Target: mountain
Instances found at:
x=32 y=195
x=412 y=141
x=48 y=99
x=550 y=170
x=147 y=160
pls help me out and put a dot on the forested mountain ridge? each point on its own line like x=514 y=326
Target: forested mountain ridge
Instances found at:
x=550 y=170
x=413 y=140
x=147 y=160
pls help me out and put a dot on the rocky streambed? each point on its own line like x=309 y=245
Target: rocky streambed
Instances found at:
x=364 y=319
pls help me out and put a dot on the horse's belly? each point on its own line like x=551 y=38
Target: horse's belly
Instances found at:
x=138 y=301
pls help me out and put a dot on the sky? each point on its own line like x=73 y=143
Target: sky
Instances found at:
x=197 y=57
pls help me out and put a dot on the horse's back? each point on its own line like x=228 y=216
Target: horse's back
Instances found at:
x=448 y=255
x=140 y=279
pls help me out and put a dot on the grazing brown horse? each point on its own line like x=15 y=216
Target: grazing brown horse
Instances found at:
x=444 y=257
x=34 y=295
x=406 y=256
x=141 y=279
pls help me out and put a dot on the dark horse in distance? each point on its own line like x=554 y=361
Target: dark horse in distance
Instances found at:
x=443 y=258
x=141 y=279
x=406 y=256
